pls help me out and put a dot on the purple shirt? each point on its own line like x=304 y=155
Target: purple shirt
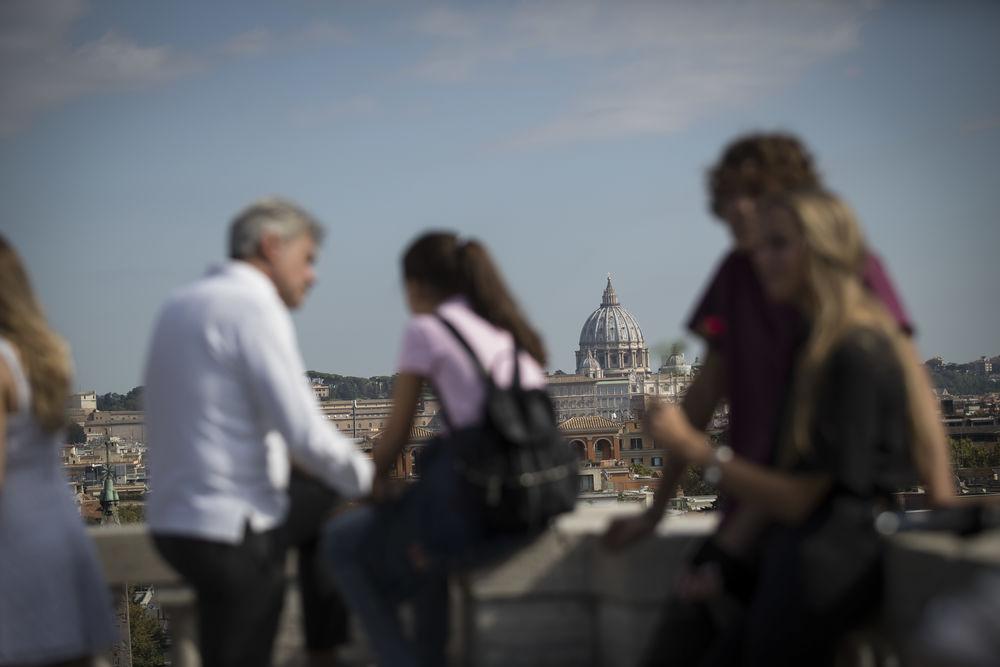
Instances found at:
x=758 y=339
x=431 y=351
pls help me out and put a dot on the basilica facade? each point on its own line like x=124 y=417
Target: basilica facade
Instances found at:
x=613 y=377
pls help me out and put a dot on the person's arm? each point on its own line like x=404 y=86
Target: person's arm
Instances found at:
x=785 y=497
x=930 y=441
x=699 y=403
x=275 y=376
x=405 y=395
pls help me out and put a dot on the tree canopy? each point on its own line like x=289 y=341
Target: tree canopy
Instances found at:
x=113 y=401
x=347 y=387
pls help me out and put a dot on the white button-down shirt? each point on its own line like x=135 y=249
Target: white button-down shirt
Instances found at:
x=227 y=404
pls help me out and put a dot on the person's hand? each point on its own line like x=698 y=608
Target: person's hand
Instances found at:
x=670 y=427
x=628 y=530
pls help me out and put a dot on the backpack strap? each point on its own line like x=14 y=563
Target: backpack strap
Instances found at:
x=468 y=348
x=475 y=359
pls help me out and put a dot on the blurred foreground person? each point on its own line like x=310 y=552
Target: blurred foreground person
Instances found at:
x=843 y=442
x=228 y=409
x=466 y=338
x=751 y=343
x=55 y=607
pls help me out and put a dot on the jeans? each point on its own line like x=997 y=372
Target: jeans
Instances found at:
x=375 y=583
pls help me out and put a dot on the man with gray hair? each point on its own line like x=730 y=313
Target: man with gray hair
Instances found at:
x=229 y=413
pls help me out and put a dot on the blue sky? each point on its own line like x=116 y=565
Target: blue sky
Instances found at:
x=572 y=137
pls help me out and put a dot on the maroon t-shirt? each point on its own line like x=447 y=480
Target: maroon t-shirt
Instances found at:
x=758 y=340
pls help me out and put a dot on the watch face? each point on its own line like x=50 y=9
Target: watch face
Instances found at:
x=712 y=474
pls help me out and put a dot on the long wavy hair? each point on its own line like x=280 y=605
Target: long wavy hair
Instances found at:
x=44 y=354
x=836 y=300
x=449 y=266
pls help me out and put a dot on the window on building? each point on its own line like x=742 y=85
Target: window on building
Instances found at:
x=637 y=461
x=657 y=462
x=635 y=443
x=586 y=482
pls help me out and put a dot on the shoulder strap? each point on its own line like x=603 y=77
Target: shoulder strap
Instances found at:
x=475 y=359
x=468 y=348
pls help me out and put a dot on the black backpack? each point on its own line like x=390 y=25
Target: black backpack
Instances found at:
x=516 y=469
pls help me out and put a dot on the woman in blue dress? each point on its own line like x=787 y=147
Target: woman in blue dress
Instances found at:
x=55 y=606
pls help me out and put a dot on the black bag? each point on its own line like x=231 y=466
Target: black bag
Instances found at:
x=516 y=469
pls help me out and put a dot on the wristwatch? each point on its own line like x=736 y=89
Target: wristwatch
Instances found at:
x=713 y=471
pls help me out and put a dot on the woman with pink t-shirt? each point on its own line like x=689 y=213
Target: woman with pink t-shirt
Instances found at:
x=382 y=555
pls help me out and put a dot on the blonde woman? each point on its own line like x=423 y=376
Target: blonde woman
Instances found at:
x=54 y=604
x=844 y=443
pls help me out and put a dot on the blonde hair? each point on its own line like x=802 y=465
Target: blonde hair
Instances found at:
x=836 y=301
x=44 y=355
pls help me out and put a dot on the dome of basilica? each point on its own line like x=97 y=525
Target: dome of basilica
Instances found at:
x=612 y=336
x=610 y=323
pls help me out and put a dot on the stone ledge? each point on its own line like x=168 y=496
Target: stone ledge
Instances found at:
x=565 y=600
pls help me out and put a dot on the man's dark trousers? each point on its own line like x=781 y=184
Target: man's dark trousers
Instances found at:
x=241 y=587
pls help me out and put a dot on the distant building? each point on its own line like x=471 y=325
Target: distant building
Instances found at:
x=80 y=406
x=321 y=391
x=613 y=379
x=986 y=365
x=367 y=417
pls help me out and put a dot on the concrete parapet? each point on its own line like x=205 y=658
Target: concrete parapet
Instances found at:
x=565 y=600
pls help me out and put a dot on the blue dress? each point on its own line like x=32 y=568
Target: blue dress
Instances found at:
x=54 y=602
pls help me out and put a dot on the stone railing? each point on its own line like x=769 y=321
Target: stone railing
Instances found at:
x=565 y=600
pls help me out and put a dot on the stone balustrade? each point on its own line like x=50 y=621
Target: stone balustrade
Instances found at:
x=564 y=599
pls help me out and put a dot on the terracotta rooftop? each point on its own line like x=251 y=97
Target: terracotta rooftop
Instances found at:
x=417 y=434
x=589 y=423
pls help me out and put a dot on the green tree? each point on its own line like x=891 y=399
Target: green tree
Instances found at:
x=134 y=513
x=113 y=401
x=968 y=454
x=640 y=469
x=347 y=387
x=694 y=485
x=75 y=434
x=149 y=640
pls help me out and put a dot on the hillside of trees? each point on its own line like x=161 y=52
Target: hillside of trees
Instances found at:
x=112 y=401
x=961 y=383
x=344 y=387
x=347 y=387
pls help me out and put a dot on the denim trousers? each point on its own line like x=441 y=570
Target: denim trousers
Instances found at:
x=370 y=561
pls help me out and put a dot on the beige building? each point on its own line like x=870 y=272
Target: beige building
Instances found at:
x=126 y=425
x=366 y=418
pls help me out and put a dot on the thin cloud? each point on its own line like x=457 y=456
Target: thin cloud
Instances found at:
x=648 y=68
x=318 y=115
x=250 y=43
x=261 y=40
x=42 y=68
